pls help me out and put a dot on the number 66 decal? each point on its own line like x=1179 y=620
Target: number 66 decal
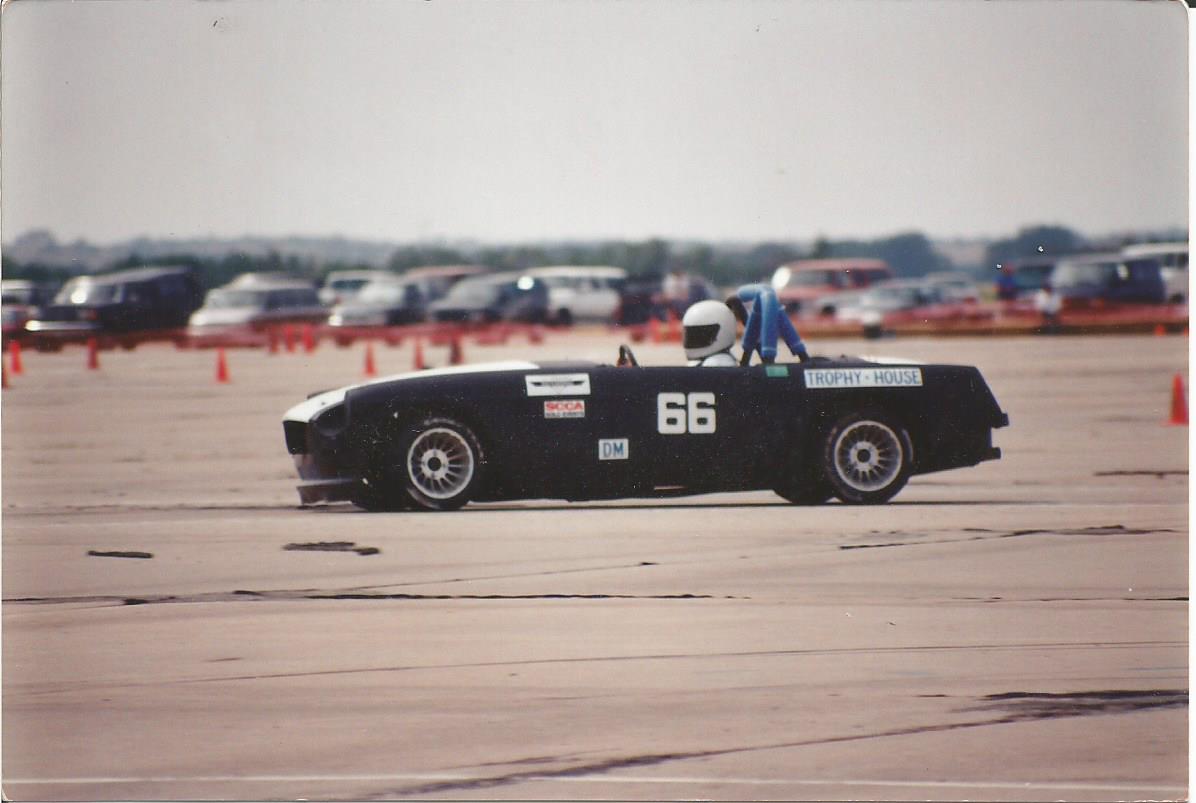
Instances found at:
x=681 y=413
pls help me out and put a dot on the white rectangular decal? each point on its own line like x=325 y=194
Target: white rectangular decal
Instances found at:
x=864 y=378
x=612 y=449
x=565 y=408
x=558 y=384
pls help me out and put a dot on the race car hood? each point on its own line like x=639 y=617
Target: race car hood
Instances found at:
x=306 y=410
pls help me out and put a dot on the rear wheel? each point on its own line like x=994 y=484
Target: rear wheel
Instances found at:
x=866 y=458
x=441 y=464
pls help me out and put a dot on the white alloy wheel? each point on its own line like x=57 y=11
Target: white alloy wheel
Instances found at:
x=867 y=459
x=440 y=463
x=868 y=455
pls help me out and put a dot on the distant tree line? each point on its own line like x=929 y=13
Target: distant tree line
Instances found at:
x=909 y=254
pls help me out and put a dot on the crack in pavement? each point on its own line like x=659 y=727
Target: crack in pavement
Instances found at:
x=1102 y=702
x=990 y=600
x=990 y=535
x=314 y=594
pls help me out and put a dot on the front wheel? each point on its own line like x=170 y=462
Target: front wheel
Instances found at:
x=866 y=458
x=441 y=464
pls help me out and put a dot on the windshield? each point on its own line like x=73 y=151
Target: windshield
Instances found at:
x=817 y=278
x=348 y=284
x=235 y=299
x=79 y=291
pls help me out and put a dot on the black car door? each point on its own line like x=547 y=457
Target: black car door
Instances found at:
x=686 y=427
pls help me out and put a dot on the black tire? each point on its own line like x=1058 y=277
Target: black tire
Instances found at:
x=813 y=491
x=380 y=500
x=866 y=458
x=438 y=464
x=564 y=317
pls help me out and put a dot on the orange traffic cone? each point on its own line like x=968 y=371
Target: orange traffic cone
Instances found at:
x=674 y=332
x=418 y=363
x=654 y=329
x=1160 y=330
x=288 y=338
x=1179 y=403
x=273 y=335
x=221 y=367
x=455 y=355
x=309 y=338
x=14 y=353
x=369 y=360
x=93 y=354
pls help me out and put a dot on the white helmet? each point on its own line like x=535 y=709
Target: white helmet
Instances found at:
x=709 y=327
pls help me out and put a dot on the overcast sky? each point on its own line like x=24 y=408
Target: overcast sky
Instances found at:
x=516 y=119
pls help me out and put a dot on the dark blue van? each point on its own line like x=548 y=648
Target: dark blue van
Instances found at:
x=1099 y=279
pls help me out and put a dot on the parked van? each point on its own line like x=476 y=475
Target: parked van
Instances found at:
x=800 y=282
x=115 y=303
x=1095 y=280
x=581 y=293
x=1173 y=261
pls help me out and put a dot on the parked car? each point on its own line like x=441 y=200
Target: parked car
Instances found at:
x=1028 y=275
x=22 y=301
x=1098 y=280
x=642 y=297
x=116 y=303
x=436 y=280
x=1173 y=262
x=382 y=302
x=581 y=293
x=798 y=283
x=954 y=285
x=257 y=305
x=342 y=285
x=494 y=297
x=850 y=427
x=870 y=307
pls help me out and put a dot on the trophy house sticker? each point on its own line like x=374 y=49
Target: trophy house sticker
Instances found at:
x=863 y=378
x=612 y=449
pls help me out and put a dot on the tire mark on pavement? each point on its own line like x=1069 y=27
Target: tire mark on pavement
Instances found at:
x=989 y=535
x=1130 y=701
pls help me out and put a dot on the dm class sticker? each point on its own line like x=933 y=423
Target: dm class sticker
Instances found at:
x=612 y=449
x=565 y=408
x=863 y=378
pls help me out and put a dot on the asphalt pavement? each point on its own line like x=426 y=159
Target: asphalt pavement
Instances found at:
x=175 y=626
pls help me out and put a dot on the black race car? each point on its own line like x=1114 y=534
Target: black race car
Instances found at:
x=849 y=428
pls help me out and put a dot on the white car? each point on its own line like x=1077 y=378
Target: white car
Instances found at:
x=256 y=305
x=343 y=285
x=581 y=293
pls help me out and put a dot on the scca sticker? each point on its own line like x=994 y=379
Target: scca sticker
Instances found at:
x=612 y=449
x=864 y=378
x=565 y=408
